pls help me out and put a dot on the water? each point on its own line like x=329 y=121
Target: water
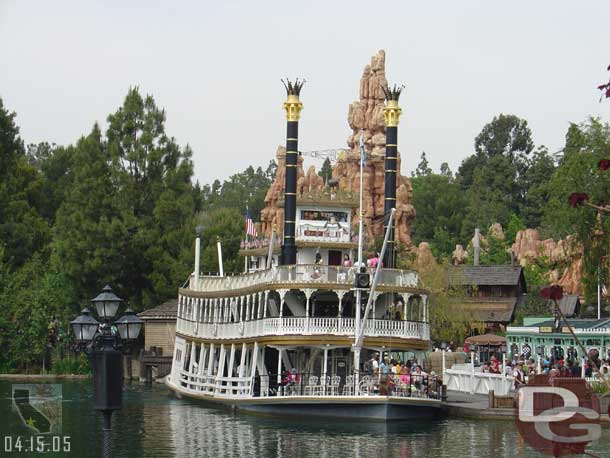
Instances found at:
x=154 y=424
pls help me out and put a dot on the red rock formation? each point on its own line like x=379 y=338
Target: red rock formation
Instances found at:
x=365 y=115
x=528 y=247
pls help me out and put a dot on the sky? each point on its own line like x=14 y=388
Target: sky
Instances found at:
x=216 y=68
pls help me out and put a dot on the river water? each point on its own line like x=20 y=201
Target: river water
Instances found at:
x=154 y=424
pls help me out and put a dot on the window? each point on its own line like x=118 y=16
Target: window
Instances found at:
x=316 y=215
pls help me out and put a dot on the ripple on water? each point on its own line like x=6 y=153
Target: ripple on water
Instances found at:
x=156 y=425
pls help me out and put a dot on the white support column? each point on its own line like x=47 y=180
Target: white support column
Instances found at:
x=341 y=294
x=472 y=377
x=443 y=378
x=308 y=293
x=240 y=306
x=221 y=368
x=253 y=369
x=254 y=362
x=202 y=356
x=231 y=370
x=242 y=366
x=324 y=370
x=211 y=360
x=279 y=366
x=248 y=307
x=282 y=293
x=242 y=360
x=374 y=307
x=192 y=358
x=425 y=300
x=406 y=298
x=261 y=304
x=265 y=298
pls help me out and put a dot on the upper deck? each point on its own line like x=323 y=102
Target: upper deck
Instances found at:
x=298 y=277
x=302 y=301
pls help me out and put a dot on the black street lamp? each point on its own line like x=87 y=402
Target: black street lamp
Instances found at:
x=105 y=344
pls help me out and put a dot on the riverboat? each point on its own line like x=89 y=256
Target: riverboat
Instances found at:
x=292 y=335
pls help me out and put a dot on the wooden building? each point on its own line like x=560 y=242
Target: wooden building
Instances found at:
x=491 y=293
x=159 y=337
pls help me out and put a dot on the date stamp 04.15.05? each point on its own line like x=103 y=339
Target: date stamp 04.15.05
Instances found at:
x=38 y=405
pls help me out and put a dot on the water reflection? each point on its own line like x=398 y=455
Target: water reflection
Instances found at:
x=154 y=424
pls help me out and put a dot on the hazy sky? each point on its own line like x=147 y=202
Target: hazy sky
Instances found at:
x=216 y=68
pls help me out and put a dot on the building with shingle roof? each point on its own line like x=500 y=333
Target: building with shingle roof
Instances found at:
x=160 y=327
x=492 y=292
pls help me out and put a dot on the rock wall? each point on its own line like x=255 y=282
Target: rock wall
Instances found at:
x=365 y=114
x=528 y=247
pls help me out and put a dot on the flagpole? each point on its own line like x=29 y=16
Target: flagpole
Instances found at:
x=358 y=290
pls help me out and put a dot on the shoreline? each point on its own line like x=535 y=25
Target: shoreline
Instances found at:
x=44 y=377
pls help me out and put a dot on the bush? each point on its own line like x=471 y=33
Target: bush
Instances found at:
x=77 y=365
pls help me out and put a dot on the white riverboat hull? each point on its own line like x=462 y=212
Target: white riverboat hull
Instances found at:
x=375 y=408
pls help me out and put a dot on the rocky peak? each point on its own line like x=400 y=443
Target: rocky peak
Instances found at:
x=365 y=114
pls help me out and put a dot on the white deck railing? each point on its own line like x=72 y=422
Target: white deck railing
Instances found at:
x=302 y=273
x=303 y=326
x=471 y=382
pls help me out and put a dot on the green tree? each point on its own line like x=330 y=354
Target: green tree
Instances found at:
x=515 y=224
x=89 y=232
x=496 y=252
x=326 y=171
x=245 y=188
x=494 y=176
x=226 y=224
x=506 y=135
x=535 y=186
x=423 y=168
x=578 y=171
x=445 y=170
x=22 y=229
x=439 y=214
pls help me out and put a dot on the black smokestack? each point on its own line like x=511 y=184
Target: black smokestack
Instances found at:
x=391 y=113
x=293 y=107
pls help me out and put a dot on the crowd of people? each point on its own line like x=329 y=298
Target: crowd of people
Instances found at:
x=388 y=376
x=522 y=367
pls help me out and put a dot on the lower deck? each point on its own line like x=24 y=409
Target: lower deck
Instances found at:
x=353 y=407
x=306 y=380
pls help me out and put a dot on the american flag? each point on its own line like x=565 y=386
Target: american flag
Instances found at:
x=250 y=229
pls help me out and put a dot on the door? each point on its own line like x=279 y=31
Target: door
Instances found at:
x=334 y=258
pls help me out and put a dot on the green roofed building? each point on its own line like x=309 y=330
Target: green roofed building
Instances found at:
x=554 y=337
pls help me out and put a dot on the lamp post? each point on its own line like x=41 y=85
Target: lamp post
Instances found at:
x=105 y=343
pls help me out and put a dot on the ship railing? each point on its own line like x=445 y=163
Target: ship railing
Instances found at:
x=303 y=326
x=343 y=385
x=301 y=273
x=214 y=385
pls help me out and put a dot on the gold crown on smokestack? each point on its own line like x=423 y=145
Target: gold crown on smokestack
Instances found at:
x=392 y=111
x=293 y=105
